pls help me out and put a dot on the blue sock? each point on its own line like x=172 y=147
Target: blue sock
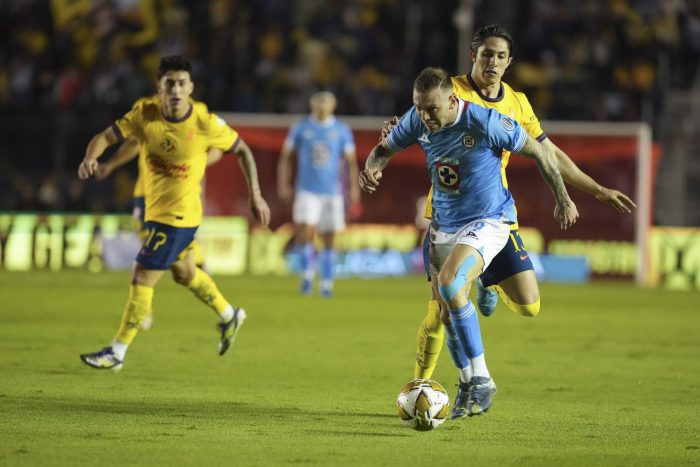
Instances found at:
x=465 y=321
x=326 y=263
x=455 y=347
x=307 y=260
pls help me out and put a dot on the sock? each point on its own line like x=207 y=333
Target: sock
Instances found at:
x=459 y=358
x=326 y=263
x=465 y=321
x=137 y=307
x=431 y=335
x=307 y=261
x=479 y=366
x=530 y=310
x=466 y=374
x=204 y=288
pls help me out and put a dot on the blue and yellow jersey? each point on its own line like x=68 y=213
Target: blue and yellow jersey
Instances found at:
x=175 y=157
x=508 y=102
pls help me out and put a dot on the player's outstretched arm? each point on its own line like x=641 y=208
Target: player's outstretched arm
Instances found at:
x=376 y=162
x=126 y=152
x=284 y=174
x=573 y=175
x=258 y=205
x=96 y=147
x=565 y=211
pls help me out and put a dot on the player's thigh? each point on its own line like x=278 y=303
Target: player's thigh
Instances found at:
x=522 y=287
x=304 y=233
x=332 y=214
x=512 y=259
x=163 y=246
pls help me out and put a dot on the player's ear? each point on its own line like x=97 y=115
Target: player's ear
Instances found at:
x=472 y=55
x=453 y=101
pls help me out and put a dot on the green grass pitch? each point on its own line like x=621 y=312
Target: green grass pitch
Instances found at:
x=608 y=374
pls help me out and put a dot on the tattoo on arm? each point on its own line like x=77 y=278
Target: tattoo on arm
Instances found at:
x=547 y=165
x=379 y=157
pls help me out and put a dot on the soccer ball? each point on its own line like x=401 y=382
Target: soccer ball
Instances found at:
x=423 y=404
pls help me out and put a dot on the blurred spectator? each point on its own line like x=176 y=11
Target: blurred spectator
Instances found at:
x=68 y=68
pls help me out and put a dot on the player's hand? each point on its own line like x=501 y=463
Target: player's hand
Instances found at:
x=387 y=127
x=103 y=171
x=616 y=199
x=87 y=168
x=260 y=210
x=566 y=214
x=369 y=180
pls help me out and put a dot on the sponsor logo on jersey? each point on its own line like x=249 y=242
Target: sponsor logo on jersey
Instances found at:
x=168 y=145
x=468 y=141
x=471 y=234
x=507 y=123
x=448 y=177
x=424 y=138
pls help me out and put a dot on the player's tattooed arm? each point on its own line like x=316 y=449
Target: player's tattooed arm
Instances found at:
x=376 y=162
x=573 y=175
x=258 y=205
x=565 y=211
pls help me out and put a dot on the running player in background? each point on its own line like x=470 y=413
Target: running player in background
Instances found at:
x=511 y=274
x=473 y=210
x=126 y=152
x=175 y=132
x=321 y=143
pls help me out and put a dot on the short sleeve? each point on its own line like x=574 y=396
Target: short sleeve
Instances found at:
x=504 y=132
x=129 y=124
x=291 y=140
x=405 y=133
x=220 y=135
x=529 y=120
x=348 y=140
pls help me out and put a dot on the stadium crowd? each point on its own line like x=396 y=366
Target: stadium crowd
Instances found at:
x=68 y=68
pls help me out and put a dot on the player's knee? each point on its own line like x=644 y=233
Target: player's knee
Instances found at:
x=183 y=276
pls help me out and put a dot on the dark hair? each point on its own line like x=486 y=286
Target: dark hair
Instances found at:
x=431 y=78
x=173 y=63
x=492 y=30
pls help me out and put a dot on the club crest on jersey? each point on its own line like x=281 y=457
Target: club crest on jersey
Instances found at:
x=468 y=141
x=507 y=123
x=167 y=145
x=448 y=177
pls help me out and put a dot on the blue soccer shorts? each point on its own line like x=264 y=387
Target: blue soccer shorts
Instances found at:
x=164 y=244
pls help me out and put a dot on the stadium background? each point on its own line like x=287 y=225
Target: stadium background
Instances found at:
x=608 y=374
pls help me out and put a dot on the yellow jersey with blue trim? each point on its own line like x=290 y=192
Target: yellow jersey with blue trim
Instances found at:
x=508 y=102
x=175 y=157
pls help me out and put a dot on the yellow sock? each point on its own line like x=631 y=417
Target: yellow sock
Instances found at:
x=431 y=335
x=204 y=288
x=137 y=307
x=530 y=310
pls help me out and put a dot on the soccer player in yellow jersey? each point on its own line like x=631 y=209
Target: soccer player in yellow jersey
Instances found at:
x=175 y=133
x=126 y=152
x=510 y=274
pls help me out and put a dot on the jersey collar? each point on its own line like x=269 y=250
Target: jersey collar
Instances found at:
x=460 y=110
x=498 y=98
x=178 y=120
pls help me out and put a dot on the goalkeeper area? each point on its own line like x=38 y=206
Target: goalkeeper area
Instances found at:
x=607 y=374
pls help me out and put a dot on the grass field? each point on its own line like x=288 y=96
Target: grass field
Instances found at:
x=608 y=374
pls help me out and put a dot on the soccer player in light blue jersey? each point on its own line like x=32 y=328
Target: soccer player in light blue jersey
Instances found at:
x=472 y=209
x=322 y=144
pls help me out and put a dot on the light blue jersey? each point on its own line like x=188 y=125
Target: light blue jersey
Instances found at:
x=464 y=161
x=320 y=147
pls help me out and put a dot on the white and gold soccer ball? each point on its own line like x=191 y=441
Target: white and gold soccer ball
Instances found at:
x=423 y=404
